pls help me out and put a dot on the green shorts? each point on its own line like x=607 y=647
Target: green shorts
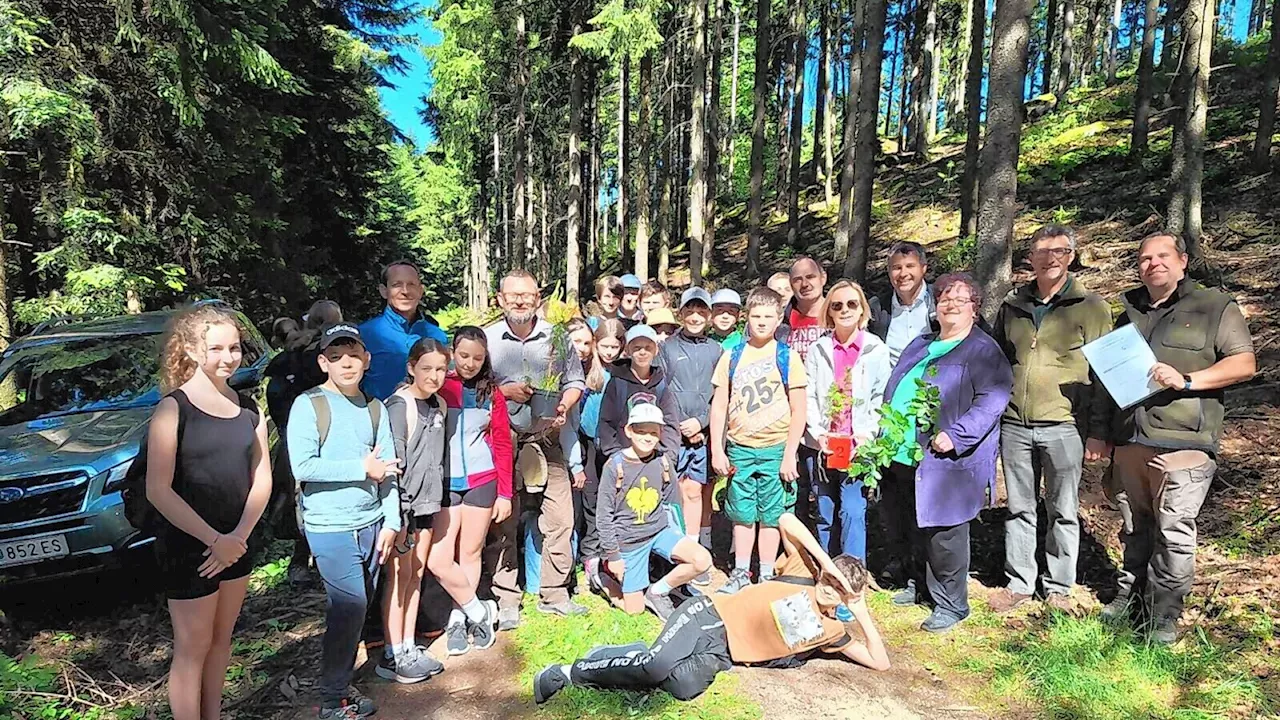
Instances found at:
x=756 y=492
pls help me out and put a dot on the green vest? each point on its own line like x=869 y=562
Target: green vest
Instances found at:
x=1183 y=334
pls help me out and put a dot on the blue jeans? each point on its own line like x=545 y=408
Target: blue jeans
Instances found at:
x=842 y=499
x=348 y=564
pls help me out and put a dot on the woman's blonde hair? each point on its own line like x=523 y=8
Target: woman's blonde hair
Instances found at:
x=593 y=369
x=185 y=333
x=825 y=320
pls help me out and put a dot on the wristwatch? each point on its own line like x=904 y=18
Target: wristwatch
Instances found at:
x=1186 y=383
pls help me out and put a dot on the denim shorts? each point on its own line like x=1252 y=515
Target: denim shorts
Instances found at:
x=692 y=463
x=636 y=559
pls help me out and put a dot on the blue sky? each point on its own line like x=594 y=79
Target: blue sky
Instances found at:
x=403 y=101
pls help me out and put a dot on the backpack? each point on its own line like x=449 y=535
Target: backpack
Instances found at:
x=138 y=510
x=782 y=357
x=411 y=416
x=324 y=419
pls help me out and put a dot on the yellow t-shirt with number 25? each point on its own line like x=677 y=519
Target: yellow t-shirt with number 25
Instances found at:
x=759 y=413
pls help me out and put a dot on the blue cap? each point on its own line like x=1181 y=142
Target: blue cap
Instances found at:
x=695 y=293
x=726 y=296
x=642 y=331
x=631 y=282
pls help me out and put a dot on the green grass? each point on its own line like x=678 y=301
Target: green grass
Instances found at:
x=541 y=641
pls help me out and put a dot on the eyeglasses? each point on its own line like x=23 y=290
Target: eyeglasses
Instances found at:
x=1059 y=252
x=521 y=296
x=955 y=300
x=839 y=305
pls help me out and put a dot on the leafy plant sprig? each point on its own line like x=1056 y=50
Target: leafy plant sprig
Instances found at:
x=896 y=430
x=558 y=313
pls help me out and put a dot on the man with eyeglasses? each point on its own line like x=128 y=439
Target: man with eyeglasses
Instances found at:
x=1055 y=406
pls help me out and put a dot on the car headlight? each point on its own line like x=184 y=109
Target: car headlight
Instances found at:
x=116 y=476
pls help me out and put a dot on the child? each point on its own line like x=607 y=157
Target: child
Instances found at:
x=815 y=604
x=663 y=322
x=760 y=391
x=689 y=358
x=726 y=310
x=637 y=375
x=629 y=307
x=208 y=476
x=608 y=296
x=480 y=489
x=417 y=414
x=343 y=456
x=653 y=296
x=605 y=348
x=780 y=283
x=633 y=520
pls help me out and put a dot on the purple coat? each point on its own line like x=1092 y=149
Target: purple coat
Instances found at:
x=975 y=381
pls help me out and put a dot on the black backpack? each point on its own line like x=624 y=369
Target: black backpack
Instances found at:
x=138 y=510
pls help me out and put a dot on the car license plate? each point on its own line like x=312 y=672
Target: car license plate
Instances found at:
x=17 y=552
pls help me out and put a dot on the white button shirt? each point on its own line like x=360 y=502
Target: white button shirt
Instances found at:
x=907 y=322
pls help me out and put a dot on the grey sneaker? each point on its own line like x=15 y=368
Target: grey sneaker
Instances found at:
x=1164 y=631
x=1118 y=611
x=484 y=633
x=456 y=639
x=508 y=619
x=338 y=711
x=738 y=579
x=409 y=668
x=426 y=663
x=659 y=603
x=703 y=579
x=386 y=668
x=563 y=609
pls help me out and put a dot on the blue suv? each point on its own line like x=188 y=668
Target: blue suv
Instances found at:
x=75 y=398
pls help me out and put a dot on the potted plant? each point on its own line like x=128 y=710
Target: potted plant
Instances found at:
x=839 y=443
x=546 y=382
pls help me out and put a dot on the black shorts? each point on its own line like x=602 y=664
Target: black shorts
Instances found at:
x=179 y=560
x=482 y=496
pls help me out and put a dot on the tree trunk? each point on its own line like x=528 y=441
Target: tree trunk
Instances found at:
x=998 y=164
x=973 y=119
x=933 y=64
x=828 y=110
x=731 y=146
x=874 y=12
x=797 y=127
x=822 y=92
x=544 y=249
x=1089 y=55
x=1146 y=72
x=698 y=143
x=1066 y=70
x=6 y=307
x=624 y=148
x=1267 y=106
x=1113 y=41
x=573 y=204
x=793 y=77
x=529 y=211
x=518 y=257
x=594 y=240
x=1170 y=42
x=755 y=211
x=893 y=77
x=856 y=60
x=713 y=135
x=956 y=110
x=1185 y=201
x=1050 y=32
x=906 y=113
x=644 y=131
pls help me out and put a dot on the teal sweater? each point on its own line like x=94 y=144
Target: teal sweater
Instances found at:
x=336 y=494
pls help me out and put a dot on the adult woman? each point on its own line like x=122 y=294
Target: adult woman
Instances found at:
x=929 y=502
x=847 y=372
x=209 y=477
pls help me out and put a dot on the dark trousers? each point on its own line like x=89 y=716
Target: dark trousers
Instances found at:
x=809 y=466
x=348 y=564
x=585 y=500
x=685 y=659
x=935 y=558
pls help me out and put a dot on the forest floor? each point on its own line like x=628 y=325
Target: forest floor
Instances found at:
x=98 y=647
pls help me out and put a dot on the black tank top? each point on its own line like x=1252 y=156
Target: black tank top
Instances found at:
x=213 y=470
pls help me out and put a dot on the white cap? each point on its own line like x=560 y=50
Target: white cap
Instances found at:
x=645 y=413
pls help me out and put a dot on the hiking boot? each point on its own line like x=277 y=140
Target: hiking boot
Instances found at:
x=1060 y=602
x=738 y=579
x=484 y=633
x=508 y=619
x=456 y=639
x=549 y=681
x=659 y=603
x=702 y=579
x=1118 y=611
x=940 y=621
x=1004 y=601
x=907 y=596
x=1164 y=631
x=563 y=609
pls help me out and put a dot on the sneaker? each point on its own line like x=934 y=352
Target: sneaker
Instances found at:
x=1004 y=601
x=907 y=596
x=563 y=609
x=738 y=579
x=508 y=619
x=426 y=662
x=409 y=668
x=339 y=711
x=549 y=681
x=703 y=579
x=660 y=604
x=484 y=633
x=386 y=668
x=1118 y=611
x=940 y=621
x=456 y=639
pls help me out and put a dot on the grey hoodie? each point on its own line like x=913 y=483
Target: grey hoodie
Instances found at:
x=422 y=463
x=689 y=362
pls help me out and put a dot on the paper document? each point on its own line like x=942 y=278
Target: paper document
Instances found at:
x=1122 y=360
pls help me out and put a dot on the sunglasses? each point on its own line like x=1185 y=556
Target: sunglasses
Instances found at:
x=839 y=305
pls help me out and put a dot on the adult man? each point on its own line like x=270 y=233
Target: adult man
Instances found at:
x=629 y=311
x=1054 y=406
x=389 y=336
x=906 y=309
x=520 y=349
x=1167 y=444
x=800 y=327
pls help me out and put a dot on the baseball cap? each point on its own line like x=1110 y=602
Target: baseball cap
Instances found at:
x=642 y=331
x=631 y=282
x=695 y=293
x=725 y=296
x=339 y=331
x=645 y=414
x=660 y=316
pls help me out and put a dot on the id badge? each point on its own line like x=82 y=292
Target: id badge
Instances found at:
x=796 y=619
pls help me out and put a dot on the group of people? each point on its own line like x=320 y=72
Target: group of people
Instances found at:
x=609 y=442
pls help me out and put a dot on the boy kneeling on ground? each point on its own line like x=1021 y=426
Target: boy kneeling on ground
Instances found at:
x=812 y=604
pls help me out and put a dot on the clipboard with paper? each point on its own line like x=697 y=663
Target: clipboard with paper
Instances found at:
x=1122 y=360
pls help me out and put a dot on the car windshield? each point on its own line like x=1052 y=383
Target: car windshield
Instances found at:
x=78 y=375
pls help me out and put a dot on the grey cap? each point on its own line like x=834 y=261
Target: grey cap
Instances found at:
x=725 y=296
x=695 y=293
x=641 y=331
